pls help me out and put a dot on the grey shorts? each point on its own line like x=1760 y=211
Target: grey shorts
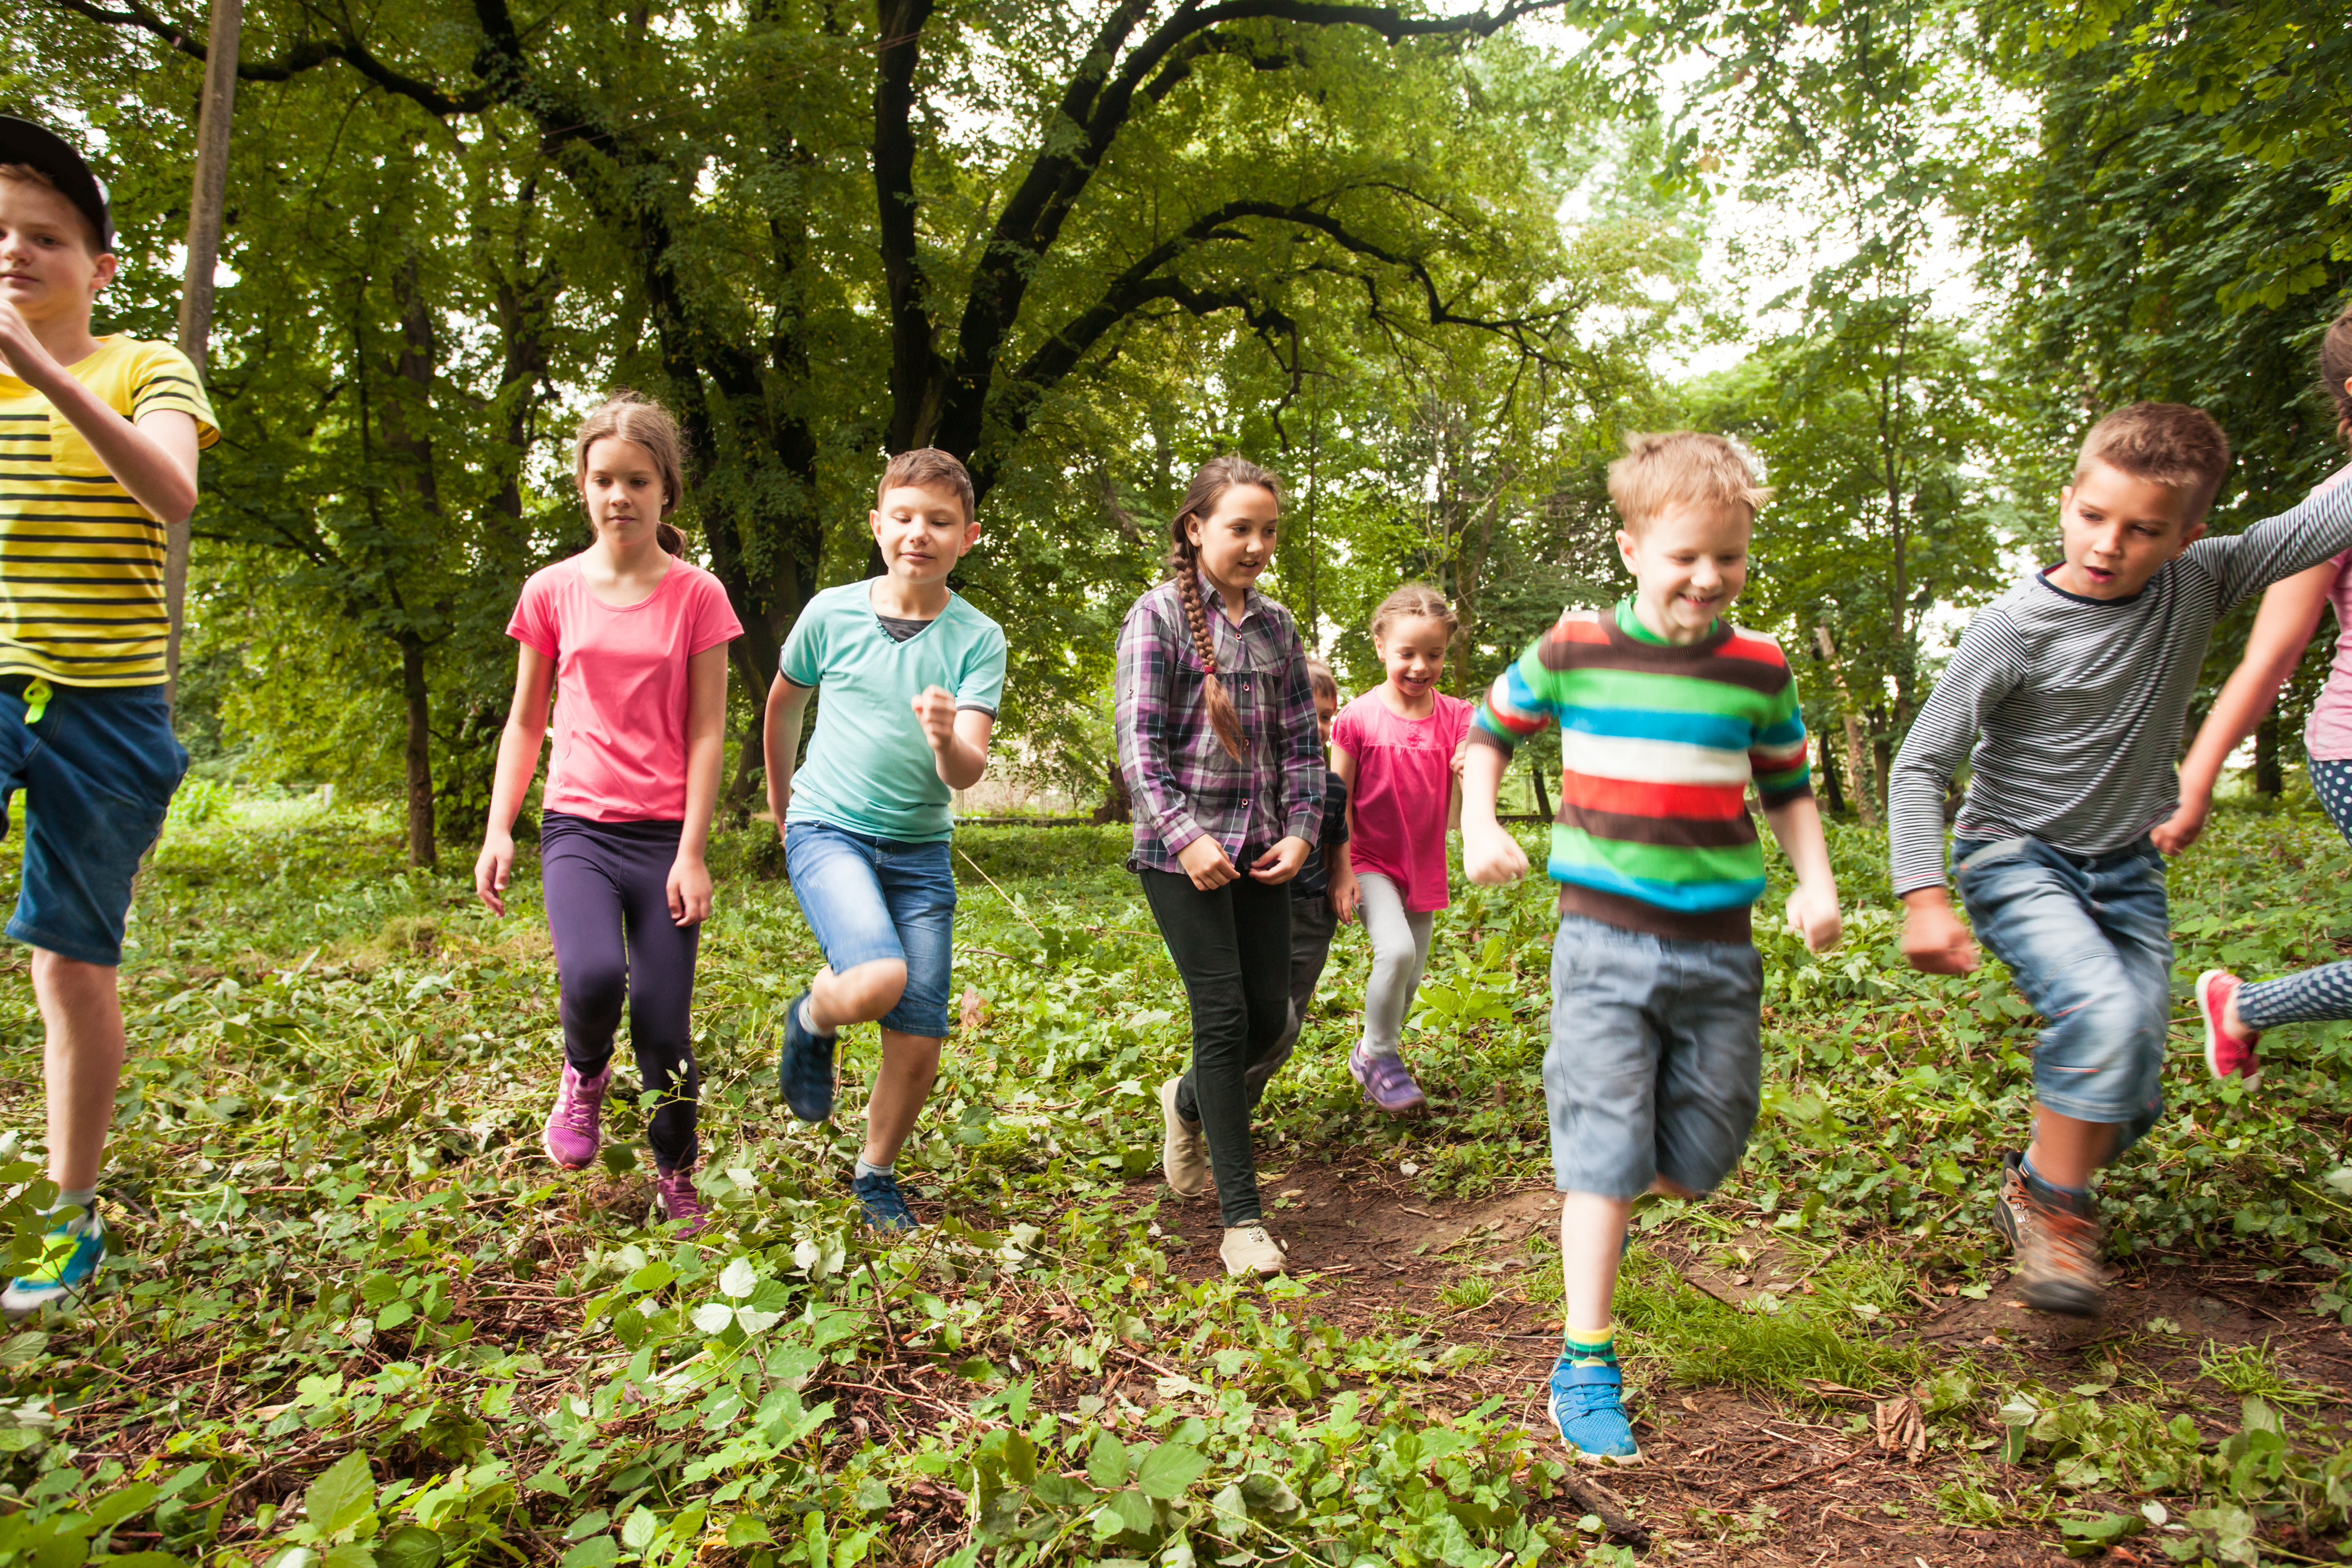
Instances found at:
x=1656 y=1062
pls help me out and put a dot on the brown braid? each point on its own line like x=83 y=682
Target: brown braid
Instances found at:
x=2336 y=367
x=1216 y=476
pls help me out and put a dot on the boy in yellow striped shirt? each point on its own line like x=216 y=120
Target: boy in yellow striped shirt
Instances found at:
x=98 y=439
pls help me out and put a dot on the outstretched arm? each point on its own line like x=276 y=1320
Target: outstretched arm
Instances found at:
x=2283 y=628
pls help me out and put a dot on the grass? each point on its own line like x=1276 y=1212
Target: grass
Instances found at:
x=342 y=1246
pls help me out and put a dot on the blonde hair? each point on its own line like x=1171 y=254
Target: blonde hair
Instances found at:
x=2167 y=443
x=1682 y=467
x=929 y=468
x=1414 y=601
x=625 y=416
x=26 y=174
x=1319 y=679
x=1216 y=476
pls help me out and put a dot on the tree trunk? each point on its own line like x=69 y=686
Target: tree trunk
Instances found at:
x=1118 y=805
x=1543 y=800
x=1829 y=779
x=2270 y=779
x=419 y=752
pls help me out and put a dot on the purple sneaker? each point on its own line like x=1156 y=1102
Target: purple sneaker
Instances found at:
x=680 y=1201
x=575 y=1126
x=1386 y=1083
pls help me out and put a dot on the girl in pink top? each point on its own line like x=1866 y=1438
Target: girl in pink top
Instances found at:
x=632 y=639
x=1400 y=750
x=2236 y=1013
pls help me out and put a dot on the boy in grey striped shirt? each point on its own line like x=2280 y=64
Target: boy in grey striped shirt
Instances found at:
x=2066 y=699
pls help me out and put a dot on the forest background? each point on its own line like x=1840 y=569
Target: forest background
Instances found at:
x=1429 y=263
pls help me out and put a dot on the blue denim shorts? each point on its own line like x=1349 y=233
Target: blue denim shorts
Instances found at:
x=1656 y=1062
x=869 y=898
x=2090 y=941
x=98 y=770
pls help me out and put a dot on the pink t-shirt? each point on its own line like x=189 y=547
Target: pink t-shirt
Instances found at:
x=1404 y=781
x=2327 y=733
x=621 y=690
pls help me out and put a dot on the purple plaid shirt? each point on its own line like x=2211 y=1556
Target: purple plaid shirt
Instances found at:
x=1182 y=782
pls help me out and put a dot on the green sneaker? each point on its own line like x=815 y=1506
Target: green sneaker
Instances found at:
x=67 y=1260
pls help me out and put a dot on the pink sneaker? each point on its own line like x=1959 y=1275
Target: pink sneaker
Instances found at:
x=575 y=1126
x=681 y=1202
x=2225 y=1052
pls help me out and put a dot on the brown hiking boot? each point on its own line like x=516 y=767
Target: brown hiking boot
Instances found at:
x=2056 y=1238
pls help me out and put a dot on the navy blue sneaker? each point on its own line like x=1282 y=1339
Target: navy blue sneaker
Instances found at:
x=805 y=1067
x=1587 y=1406
x=885 y=1205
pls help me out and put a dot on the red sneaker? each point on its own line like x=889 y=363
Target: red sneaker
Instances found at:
x=2226 y=1052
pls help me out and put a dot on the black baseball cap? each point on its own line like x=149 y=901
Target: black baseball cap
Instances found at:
x=22 y=141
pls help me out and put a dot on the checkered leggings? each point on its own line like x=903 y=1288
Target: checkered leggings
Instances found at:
x=2317 y=995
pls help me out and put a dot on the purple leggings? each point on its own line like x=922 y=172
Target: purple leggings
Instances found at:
x=607 y=888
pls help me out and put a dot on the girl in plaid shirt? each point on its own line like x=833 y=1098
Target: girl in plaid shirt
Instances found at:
x=1218 y=739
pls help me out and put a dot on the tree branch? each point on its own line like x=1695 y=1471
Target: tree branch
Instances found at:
x=298 y=58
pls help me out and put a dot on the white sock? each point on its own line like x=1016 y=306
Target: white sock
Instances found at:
x=808 y=1018
x=865 y=1170
x=84 y=1198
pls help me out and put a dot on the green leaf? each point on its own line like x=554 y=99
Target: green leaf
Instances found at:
x=1107 y=1462
x=744 y=1529
x=394 y=1314
x=588 y=1525
x=410 y=1547
x=739 y=1279
x=1168 y=1469
x=341 y=1497
x=596 y=1552
x=1133 y=1510
x=638 y=1531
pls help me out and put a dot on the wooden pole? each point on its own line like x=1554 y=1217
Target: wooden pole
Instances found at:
x=1862 y=780
x=206 y=202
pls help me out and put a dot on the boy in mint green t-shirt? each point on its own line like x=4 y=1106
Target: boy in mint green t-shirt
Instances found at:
x=911 y=675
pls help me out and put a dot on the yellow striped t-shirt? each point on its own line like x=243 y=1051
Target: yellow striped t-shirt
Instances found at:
x=81 y=563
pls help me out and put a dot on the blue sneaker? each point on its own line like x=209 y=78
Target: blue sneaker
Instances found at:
x=67 y=1260
x=885 y=1205
x=1587 y=1406
x=805 y=1067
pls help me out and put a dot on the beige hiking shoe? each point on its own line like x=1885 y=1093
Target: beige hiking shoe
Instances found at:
x=1248 y=1249
x=1183 y=1151
x=2057 y=1246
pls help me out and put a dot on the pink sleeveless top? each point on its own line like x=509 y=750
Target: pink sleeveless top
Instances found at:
x=2327 y=733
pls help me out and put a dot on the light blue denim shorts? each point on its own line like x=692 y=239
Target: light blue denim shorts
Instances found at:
x=1656 y=1062
x=869 y=898
x=2089 y=939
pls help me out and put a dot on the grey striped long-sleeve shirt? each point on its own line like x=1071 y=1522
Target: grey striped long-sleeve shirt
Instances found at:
x=2069 y=710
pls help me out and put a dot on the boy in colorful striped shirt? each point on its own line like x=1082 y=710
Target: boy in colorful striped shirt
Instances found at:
x=1668 y=714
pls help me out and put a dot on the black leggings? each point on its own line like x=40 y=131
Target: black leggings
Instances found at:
x=1232 y=945
x=608 y=887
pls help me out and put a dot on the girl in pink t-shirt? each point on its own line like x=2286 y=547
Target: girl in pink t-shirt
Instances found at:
x=2236 y=1013
x=1400 y=750
x=632 y=639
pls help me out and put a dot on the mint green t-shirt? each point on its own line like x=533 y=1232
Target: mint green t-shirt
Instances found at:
x=868 y=768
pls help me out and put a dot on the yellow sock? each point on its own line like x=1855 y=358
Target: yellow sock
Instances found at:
x=1592 y=1347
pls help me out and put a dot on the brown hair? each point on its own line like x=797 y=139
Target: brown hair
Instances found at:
x=625 y=416
x=1216 y=476
x=2167 y=443
x=1319 y=679
x=1414 y=601
x=2336 y=367
x=1685 y=467
x=26 y=174
x=928 y=468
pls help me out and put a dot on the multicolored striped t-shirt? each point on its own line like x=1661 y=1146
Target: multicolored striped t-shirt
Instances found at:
x=81 y=563
x=1659 y=742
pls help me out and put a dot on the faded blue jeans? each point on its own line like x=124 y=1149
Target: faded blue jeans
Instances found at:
x=2090 y=942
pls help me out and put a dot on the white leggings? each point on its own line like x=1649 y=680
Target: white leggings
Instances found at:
x=1400 y=939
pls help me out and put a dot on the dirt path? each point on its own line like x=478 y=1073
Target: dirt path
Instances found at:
x=1729 y=1478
